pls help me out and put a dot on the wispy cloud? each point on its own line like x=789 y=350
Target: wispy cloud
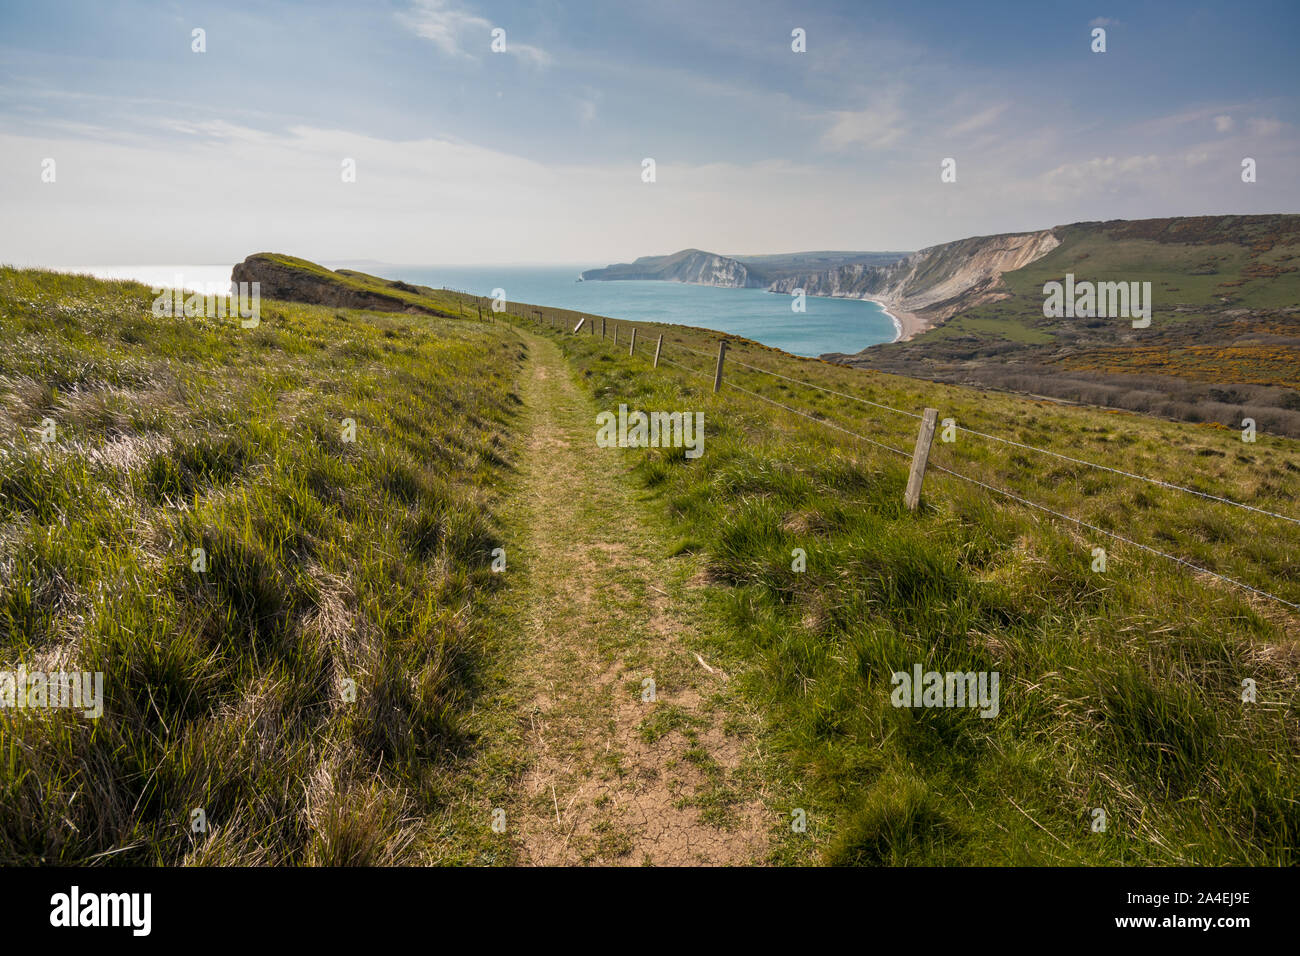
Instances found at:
x=1103 y=171
x=880 y=124
x=979 y=120
x=459 y=32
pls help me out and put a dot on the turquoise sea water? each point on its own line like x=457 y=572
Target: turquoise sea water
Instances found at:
x=828 y=325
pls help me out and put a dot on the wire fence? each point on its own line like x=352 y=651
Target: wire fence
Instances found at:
x=719 y=380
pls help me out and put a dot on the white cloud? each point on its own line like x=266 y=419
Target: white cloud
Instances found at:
x=1222 y=124
x=1264 y=127
x=878 y=125
x=979 y=120
x=456 y=31
x=445 y=200
x=1103 y=171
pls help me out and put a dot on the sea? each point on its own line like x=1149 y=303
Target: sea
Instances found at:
x=826 y=325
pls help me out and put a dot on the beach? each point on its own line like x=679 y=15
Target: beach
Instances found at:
x=907 y=325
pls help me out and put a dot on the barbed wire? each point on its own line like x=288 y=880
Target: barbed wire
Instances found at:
x=1117 y=537
x=1010 y=495
x=814 y=418
x=1129 y=474
x=1008 y=441
x=993 y=488
x=799 y=381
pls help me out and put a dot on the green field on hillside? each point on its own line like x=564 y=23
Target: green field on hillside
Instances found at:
x=331 y=560
x=1223 y=343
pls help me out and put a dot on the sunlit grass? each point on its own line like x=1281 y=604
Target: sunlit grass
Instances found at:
x=329 y=564
x=1120 y=692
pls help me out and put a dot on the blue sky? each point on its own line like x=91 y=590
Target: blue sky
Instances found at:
x=534 y=155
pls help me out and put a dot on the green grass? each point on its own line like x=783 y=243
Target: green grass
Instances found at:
x=331 y=561
x=1223 y=343
x=327 y=561
x=1120 y=691
x=394 y=293
x=992 y=327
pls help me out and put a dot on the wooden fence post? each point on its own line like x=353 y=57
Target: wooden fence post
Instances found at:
x=717 y=376
x=912 y=497
x=631 y=349
x=602 y=326
x=616 y=335
x=578 y=328
x=658 y=348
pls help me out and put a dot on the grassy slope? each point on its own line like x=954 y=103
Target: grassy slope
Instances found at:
x=327 y=561
x=1250 y=266
x=396 y=293
x=1224 y=340
x=1120 y=691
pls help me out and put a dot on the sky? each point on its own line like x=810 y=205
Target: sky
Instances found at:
x=535 y=153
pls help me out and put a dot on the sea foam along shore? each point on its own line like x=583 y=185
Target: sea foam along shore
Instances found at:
x=907 y=325
x=898 y=326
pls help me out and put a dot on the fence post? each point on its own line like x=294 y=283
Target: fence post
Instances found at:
x=912 y=497
x=602 y=326
x=631 y=349
x=658 y=348
x=578 y=328
x=616 y=335
x=717 y=376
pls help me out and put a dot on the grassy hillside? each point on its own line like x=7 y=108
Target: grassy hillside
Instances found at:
x=1224 y=340
x=331 y=561
x=298 y=280
x=1120 y=691
x=327 y=561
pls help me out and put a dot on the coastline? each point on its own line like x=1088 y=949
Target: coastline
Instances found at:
x=908 y=325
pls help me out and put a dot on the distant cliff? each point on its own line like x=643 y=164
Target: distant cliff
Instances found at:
x=929 y=286
x=934 y=283
x=689 y=265
x=736 y=272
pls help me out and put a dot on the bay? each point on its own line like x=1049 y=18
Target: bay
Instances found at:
x=827 y=325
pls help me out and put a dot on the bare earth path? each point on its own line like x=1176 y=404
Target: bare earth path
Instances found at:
x=614 y=776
